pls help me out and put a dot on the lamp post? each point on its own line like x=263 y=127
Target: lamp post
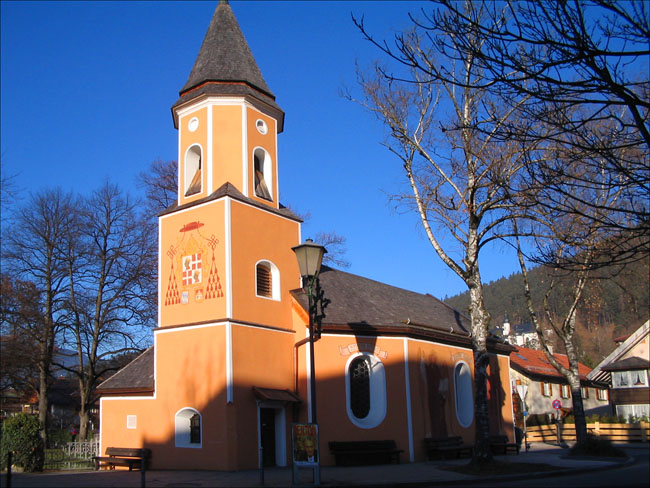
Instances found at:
x=310 y=258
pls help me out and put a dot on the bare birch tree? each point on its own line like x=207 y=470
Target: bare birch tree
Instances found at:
x=582 y=69
x=456 y=171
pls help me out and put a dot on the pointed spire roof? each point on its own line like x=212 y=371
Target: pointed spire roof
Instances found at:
x=226 y=66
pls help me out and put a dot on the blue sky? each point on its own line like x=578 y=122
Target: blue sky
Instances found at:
x=87 y=89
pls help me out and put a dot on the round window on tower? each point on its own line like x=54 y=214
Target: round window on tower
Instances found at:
x=261 y=126
x=193 y=124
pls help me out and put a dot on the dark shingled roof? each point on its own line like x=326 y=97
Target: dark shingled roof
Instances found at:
x=137 y=375
x=229 y=190
x=628 y=364
x=225 y=65
x=365 y=305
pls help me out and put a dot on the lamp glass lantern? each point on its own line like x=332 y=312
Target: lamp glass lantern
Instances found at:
x=310 y=257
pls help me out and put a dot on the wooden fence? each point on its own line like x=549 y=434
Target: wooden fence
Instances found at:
x=633 y=432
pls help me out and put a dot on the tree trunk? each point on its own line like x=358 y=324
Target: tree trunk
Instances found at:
x=84 y=416
x=576 y=394
x=480 y=319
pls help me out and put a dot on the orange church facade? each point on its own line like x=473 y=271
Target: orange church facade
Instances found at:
x=228 y=372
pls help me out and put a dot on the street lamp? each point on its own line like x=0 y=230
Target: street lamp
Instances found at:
x=310 y=258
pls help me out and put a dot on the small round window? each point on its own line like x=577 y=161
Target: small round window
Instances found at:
x=261 y=126
x=193 y=124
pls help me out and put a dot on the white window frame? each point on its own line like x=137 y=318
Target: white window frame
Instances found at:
x=630 y=377
x=463 y=394
x=182 y=428
x=275 y=280
x=565 y=391
x=378 y=401
x=267 y=171
x=190 y=166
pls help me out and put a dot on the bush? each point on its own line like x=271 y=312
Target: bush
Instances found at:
x=596 y=446
x=59 y=437
x=21 y=435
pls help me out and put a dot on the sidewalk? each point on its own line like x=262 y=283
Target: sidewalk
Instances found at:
x=406 y=475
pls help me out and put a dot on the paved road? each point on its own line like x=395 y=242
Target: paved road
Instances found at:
x=635 y=475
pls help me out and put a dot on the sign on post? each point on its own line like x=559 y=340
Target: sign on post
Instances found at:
x=557 y=404
x=304 y=441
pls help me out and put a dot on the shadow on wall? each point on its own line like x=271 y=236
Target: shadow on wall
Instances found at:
x=229 y=432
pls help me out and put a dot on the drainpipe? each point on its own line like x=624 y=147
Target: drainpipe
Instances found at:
x=295 y=372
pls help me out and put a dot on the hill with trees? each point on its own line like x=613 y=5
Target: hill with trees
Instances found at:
x=615 y=303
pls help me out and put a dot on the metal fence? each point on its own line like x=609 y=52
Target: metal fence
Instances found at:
x=74 y=455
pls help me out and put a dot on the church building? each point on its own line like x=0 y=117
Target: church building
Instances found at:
x=229 y=369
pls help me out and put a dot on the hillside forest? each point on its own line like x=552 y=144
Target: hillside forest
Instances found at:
x=615 y=304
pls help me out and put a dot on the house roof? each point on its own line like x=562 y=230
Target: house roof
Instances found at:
x=226 y=66
x=533 y=362
x=599 y=373
x=627 y=364
x=137 y=376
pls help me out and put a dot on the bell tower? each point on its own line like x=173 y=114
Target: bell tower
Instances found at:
x=227 y=119
x=225 y=247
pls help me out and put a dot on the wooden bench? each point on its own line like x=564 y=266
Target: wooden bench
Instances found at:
x=359 y=453
x=444 y=446
x=499 y=444
x=123 y=456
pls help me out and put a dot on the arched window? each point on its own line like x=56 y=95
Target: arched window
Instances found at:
x=463 y=394
x=366 y=391
x=193 y=170
x=262 y=171
x=187 y=428
x=267 y=280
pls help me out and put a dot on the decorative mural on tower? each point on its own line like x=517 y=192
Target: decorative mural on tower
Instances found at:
x=187 y=281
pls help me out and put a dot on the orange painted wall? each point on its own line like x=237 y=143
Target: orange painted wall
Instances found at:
x=187 y=138
x=259 y=235
x=335 y=424
x=227 y=149
x=193 y=301
x=180 y=354
x=261 y=358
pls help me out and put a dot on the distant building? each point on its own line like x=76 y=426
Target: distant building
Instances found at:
x=545 y=384
x=626 y=371
x=523 y=335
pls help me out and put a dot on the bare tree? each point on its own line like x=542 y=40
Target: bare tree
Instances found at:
x=160 y=184
x=32 y=253
x=567 y=244
x=457 y=171
x=110 y=256
x=19 y=311
x=581 y=69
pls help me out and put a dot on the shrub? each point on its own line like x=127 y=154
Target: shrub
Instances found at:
x=21 y=435
x=596 y=446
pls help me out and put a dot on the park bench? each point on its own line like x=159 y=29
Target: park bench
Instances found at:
x=123 y=456
x=359 y=453
x=499 y=444
x=444 y=446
